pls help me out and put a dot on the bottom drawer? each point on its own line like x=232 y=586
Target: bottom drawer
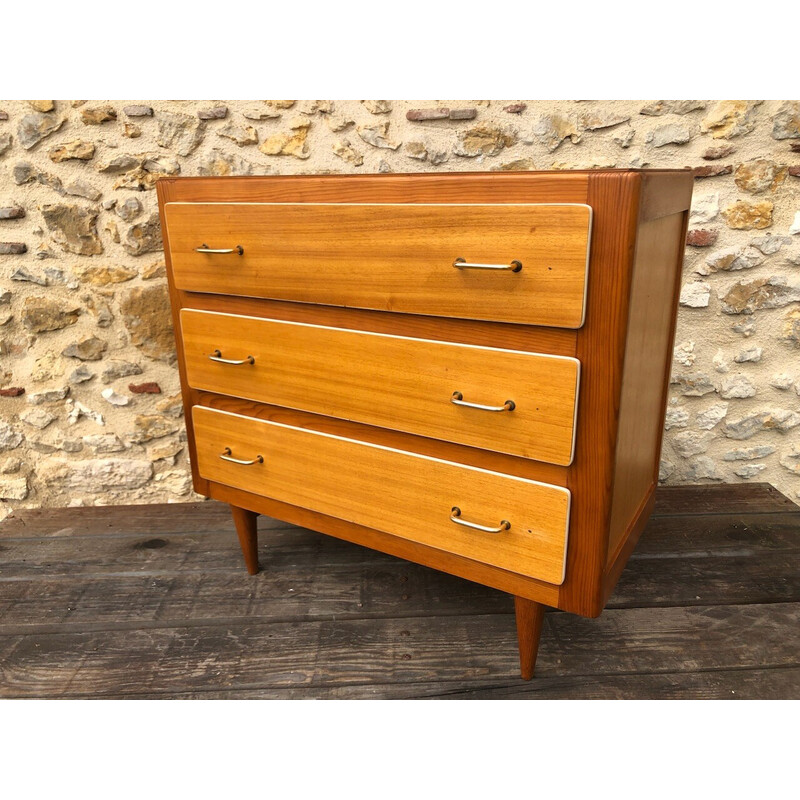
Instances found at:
x=416 y=497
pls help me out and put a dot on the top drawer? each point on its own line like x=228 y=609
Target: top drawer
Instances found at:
x=391 y=257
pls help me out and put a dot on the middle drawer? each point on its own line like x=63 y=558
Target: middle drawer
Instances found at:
x=507 y=401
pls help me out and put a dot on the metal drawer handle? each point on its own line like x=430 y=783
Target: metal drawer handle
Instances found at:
x=458 y=400
x=225 y=455
x=455 y=516
x=514 y=266
x=217 y=356
x=206 y=249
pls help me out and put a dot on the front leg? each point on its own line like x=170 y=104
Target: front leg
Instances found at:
x=245 y=522
x=530 y=616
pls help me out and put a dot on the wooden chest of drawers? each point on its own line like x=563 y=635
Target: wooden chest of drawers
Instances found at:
x=466 y=370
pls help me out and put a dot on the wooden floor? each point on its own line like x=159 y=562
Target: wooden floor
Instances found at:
x=154 y=602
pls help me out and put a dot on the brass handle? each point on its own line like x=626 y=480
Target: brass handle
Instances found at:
x=455 y=516
x=458 y=400
x=514 y=266
x=225 y=455
x=217 y=356
x=206 y=249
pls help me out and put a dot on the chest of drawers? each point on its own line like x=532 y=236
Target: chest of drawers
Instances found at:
x=468 y=371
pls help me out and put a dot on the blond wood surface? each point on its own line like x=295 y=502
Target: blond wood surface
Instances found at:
x=393 y=257
x=394 y=382
x=393 y=491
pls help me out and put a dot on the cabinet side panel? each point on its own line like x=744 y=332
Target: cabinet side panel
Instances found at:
x=653 y=306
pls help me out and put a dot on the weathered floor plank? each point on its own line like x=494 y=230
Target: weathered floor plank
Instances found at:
x=342 y=652
x=155 y=602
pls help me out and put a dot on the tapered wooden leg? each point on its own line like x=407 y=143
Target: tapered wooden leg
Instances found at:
x=245 y=522
x=529 y=628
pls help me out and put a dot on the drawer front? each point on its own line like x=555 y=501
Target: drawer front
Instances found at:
x=400 y=493
x=392 y=257
x=390 y=381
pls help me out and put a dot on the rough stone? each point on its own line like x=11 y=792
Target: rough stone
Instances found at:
x=40 y=314
x=171 y=406
x=746 y=297
x=91 y=349
x=794 y=229
x=427 y=114
x=786 y=123
x=416 y=150
x=691 y=443
x=73 y=227
x=715 y=153
x=282 y=104
x=100 y=310
x=115 y=399
x=78 y=149
x=289 y=144
x=138 y=111
x=42 y=105
x=150 y=426
x=705 y=207
x=769 y=244
x=712 y=416
x=695 y=295
x=746 y=216
x=148 y=319
x=759 y=176
x=129 y=209
x=5 y=143
x=131 y=131
x=25 y=172
x=217 y=112
x=684 y=354
x=121 y=163
x=10 y=438
x=377 y=106
x=665 y=470
x=624 y=138
x=737 y=386
x=703 y=468
x=37 y=418
x=220 y=163
x=104 y=443
x=120 y=369
x=76 y=410
x=676 y=418
x=463 y=113
x=791 y=460
x=482 y=140
x=180 y=132
x=14 y=489
x=701 y=237
x=721 y=362
x=749 y=453
x=13 y=248
x=91 y=475
x=80 y=375
x=156 y=270
x=694 y=384
x=24 y=275
x=10 y=466
x=731 y=259
x=97 y=115
x=730 y=118
x=778 y=419
x=12 y=391
x=164 y=450
x=260 y=113
x=713 y=170
x=377 y=135
x=149 y=387
x=33 y=128
x=669 y=134
x=552 y=130
x=242 y=135
x=144 y=237
x=345 y=151
x=81 y=188
x=749 y=470
x=749 y=354
x=790 y=331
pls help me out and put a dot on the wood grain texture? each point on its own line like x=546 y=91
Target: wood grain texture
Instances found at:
x=529 y=619
x=247 y=531
x=392 y=382
x=391 y=257
x=648 y=356
x=346 y=479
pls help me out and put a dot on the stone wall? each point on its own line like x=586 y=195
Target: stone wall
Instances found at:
x=89 y=405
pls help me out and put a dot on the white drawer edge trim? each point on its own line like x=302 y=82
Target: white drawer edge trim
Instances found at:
x=469 y=467
x=414 y=339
